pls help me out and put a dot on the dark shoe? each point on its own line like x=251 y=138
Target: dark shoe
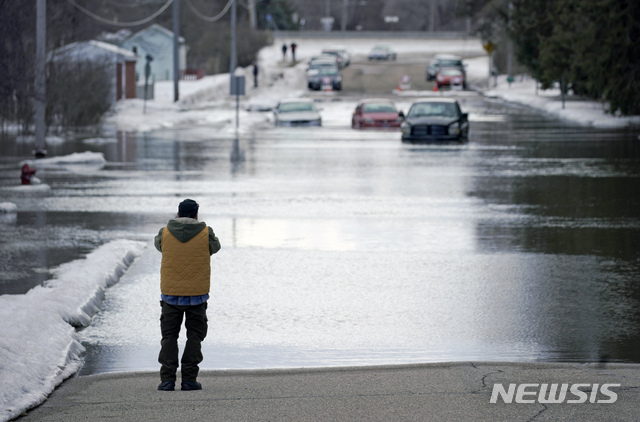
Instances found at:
x=191 y=385
x=167 y=386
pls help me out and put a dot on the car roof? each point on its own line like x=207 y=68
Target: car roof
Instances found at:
x=435 y=100
x=296 y=100
x=325 y=57
x=447 y=57
x=375 y=100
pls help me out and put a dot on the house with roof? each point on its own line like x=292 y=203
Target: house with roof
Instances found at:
x=157 y=42
x=121 y=63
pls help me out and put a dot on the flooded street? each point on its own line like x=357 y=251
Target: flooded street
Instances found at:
x=344 y=247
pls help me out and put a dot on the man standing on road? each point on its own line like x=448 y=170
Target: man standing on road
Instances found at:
x=255 y=73
x=185 y=276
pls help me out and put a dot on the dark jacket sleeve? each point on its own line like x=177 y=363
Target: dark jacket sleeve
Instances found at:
x=158 y=240
x=214 y=243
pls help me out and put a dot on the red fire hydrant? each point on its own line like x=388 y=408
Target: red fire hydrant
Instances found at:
x=27 y=172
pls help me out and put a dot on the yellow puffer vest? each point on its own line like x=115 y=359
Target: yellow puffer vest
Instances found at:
x=186 y=267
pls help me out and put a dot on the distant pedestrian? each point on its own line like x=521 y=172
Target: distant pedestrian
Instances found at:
x=185 y=272
x=284 y=52
x=293 y=51
x=255 y=73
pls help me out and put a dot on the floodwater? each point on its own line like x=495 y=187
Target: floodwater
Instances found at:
x=343 y=247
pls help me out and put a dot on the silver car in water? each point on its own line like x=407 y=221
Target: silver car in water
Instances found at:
x=297 y=112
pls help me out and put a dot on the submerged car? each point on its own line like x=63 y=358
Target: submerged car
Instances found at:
x=451 y=77
x=321 y=61
x=375 y=113
x=382 y=52
x=441 y=61
x=325 y=78
x=435 y=120
x=340 y=59
x=297 y=112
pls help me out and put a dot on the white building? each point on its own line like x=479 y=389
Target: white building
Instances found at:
x=121 y=61
x=157 y=42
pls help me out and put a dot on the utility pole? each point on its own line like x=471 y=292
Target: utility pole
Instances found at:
x=176 y=49
x=343 y=26
x=253 y=20
x=40 y=87
x=232 y=60
x=432 y=17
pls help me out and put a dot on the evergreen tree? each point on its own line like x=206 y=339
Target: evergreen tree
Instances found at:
x=609 y=52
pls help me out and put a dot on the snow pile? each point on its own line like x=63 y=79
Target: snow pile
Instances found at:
x=38 y=347
x=587 y=112
x=7 y=207
x=41 y=189
x=86 y=157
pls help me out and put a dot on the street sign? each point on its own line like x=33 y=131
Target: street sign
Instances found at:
x=489 y=47
x=237 y=85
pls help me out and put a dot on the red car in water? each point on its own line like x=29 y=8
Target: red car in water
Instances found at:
x=452 y=77
x=376 y=113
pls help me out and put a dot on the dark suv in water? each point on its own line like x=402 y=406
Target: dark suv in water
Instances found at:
x=442 y=61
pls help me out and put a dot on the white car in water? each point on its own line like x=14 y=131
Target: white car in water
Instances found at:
x=297 y=112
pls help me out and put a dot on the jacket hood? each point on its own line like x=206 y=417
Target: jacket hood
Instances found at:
x=184 y=228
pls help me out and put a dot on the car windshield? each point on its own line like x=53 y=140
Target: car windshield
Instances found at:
x=380 y=48
x=451 y=72
x=325 y=65
x=294 y=107
x=378 y=108
x=433 y=109
x=452 y=63
x=328 y=70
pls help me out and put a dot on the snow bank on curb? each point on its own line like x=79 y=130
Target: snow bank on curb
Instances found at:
x=39 y=347
x=8 y=207
x=586 y=112
x=26 y=190
x=86 y=157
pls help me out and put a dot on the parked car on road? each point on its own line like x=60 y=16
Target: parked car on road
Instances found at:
x=382 y=52
x=375 y=113
x=452 y=77
x=438 y=119
x=297 y=112
x=323 y=60
x=340 y=58
x=346 y=57
x=442 y=61
x=325 y=78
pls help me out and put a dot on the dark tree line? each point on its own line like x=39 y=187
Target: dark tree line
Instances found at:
x=369 y=15
x=593 y=45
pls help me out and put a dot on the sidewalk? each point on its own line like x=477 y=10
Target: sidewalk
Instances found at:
x=425 y=392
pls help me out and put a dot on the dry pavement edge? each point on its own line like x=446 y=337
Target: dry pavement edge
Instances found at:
x=419 y=392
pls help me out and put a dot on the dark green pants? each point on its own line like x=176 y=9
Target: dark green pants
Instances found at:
x=170 y=323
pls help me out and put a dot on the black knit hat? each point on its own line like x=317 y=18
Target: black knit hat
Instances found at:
x=188 y=208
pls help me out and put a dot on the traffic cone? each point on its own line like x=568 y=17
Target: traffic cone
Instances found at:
x=435 y=87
